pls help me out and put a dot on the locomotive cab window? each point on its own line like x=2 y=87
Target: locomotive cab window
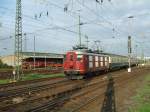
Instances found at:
x=79 y=57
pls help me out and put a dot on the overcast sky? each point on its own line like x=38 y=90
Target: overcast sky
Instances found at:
x=56 y=30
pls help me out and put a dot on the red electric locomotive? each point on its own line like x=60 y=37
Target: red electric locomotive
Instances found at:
x=79 y=64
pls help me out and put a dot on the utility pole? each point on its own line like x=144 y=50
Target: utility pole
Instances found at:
x=99 y=46
x=79 y=32
x=142 y=55
x=34 y=53
x=96 y=46
x=97 y=43
x=136 y=54
x=87 y=41
x=18 y=41
x=129 y=53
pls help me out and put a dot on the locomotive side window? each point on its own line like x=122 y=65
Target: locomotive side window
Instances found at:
x=105 y=61
x=90 y=61
x=90 y=58
x=110 y=59
x=101 y=59
x=96 y=61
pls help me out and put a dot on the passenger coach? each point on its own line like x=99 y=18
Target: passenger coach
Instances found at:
x=81 y=64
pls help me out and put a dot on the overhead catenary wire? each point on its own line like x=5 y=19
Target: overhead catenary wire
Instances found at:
x=65 y=27
x=51 y=4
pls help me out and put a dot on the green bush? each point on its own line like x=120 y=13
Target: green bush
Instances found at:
x=2 y=65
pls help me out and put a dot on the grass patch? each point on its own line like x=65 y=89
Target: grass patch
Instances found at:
x=39 y=76
x=5 y=81
x=142 y=98
x=6 y=69
x=33 y=77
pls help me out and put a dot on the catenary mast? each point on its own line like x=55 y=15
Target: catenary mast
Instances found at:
x=18 y=41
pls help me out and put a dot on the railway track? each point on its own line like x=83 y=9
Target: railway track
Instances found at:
x=26 y=91
x=13 y=85
x=72 y=87
x=60 y=97
x=67 y=95
x=119 y=83
x=7 y=96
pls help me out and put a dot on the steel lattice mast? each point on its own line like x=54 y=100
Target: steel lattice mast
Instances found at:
x=18 y=41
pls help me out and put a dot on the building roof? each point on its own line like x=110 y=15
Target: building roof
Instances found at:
x=42 y=55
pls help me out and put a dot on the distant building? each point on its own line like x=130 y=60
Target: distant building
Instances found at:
x=9 y=60
x=41 y=59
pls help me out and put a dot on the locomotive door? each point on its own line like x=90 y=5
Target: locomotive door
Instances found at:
x=72 y=58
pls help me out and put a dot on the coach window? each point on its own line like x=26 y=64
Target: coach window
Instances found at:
x=79 y=57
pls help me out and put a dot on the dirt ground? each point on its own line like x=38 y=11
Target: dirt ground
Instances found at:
x=119 y=92
x=122 y=94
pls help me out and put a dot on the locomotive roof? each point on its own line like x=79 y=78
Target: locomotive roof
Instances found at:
x=84 y=52
x=113 y=54
x=92 y=53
